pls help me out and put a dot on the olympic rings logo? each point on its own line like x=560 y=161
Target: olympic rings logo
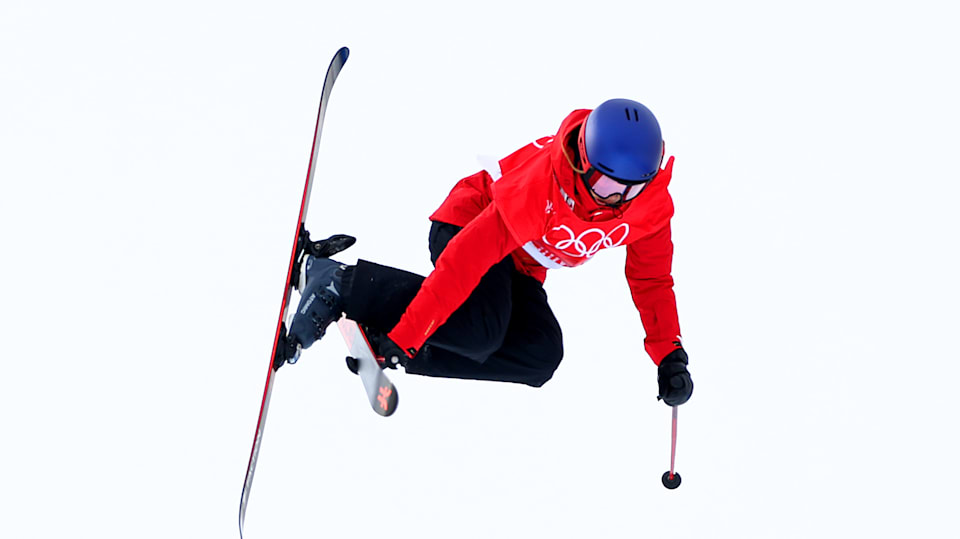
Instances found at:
x=579 y=243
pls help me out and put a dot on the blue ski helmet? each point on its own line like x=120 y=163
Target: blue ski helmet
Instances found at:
x=621 y=139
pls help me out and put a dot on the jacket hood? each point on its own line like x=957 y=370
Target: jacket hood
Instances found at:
x=560 y=150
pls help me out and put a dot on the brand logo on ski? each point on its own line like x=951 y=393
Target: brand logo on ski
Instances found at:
x=384 y=397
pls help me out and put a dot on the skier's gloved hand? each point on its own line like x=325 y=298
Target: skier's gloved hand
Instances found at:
x=674 y=380
x=387 y=352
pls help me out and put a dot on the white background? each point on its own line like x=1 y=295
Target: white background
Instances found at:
x=152 y=160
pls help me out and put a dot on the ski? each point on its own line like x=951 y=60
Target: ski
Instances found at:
x=380 y=390
x=301 y=244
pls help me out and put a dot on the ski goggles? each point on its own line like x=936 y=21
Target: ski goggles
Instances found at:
x=605 y=187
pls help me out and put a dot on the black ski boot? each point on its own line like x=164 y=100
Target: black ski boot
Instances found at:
x=320 y=301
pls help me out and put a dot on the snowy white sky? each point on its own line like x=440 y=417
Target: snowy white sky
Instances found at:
x=151 y=164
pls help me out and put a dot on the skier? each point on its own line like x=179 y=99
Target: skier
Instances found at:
x=482 y=313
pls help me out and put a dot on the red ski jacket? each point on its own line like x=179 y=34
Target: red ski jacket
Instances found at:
x=534 y=208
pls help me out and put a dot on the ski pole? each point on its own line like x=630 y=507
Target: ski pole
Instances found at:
x=671 y=479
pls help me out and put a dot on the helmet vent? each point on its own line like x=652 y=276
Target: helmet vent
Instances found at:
x=636 y=115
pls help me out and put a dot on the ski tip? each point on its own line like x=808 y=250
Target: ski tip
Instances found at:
x=386 y=399
x=343 y=52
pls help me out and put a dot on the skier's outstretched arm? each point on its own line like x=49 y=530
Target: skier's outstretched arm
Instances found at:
x=648 y=271
x=465 y=260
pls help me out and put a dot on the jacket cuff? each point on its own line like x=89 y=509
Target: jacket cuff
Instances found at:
x=401 y=337
x=660 y=350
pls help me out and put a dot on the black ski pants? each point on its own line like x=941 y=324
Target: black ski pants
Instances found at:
x=505 y=331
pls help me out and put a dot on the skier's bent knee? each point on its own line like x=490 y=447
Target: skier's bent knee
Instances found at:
x=539 y=382
x=544 y=375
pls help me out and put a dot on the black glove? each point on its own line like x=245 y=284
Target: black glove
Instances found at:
x=387 y=352
x=674 y=380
